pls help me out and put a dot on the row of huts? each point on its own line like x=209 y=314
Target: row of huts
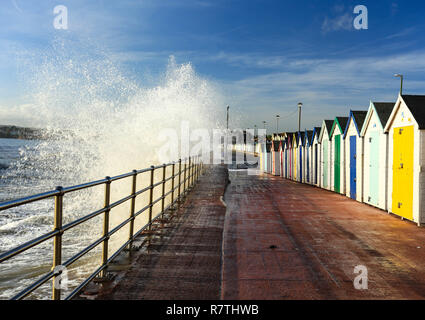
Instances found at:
x=375 y=156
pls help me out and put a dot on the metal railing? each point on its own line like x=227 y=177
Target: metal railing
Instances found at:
x=182 y=179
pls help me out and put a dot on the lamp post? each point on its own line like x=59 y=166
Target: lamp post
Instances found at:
x=401 y=82
x=228 y=107
x=277 y=124
x=299 y=115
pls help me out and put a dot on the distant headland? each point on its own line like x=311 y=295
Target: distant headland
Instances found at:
x=15 y=132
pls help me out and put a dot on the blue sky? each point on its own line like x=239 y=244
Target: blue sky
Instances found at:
x=265 y=55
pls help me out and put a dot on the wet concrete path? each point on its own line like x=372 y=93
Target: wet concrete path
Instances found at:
x=277 y=239
x=285 y=240
x=182 y=261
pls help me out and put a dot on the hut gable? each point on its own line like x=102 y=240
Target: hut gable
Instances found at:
x=308 y=137
x=357 y=118
x=405 y=114
x=341 y=122
x=416 y=105
x=316 y=134
x=325 y=129
x=300 y=138
x=377 y=116
x=383 y=111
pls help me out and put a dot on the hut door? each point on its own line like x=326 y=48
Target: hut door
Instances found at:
x=353 y=167
x=402 y=202
x=325 y=163
x=315 y=161
x=300 y=164
x=337 y=163
x=308 y=165
x=374 y=168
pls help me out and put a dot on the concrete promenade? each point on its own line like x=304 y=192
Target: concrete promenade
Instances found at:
x=277 y=239
x=286 y=240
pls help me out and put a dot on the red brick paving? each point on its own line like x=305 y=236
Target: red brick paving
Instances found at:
x=320 y=237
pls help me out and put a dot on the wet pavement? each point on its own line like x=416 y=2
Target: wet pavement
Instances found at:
x=286 y=240
x=182 y=257
x=278 y=239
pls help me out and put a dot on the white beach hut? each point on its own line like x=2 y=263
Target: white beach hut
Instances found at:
x=406 y=154
x=353 y=141
x=325 y=154
x=375 y=154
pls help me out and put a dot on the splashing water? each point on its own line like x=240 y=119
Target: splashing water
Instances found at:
x=98 y=122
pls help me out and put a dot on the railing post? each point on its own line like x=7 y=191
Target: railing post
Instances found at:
x=57 y=242
x=151 y=197
x=193 y=172
x=163 y=189
x=106 y=225
x=180 y=177
x=172 y=184
x=188 y=174
x=132 y=208
x=197 y=168
x=184 y=180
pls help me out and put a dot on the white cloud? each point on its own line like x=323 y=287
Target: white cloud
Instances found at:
x=342 y=22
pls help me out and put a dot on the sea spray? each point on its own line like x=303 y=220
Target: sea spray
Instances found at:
x=98 y=122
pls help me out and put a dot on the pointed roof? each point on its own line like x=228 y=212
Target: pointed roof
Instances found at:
x=308 y=137
x=300 y=137
x=341 y=122
x=316 y=132
x=358 y=119
x=268 y=146
x=416 y=105
x=383 y=110
x=289 y=139
x=276 y=145
x=328 y=125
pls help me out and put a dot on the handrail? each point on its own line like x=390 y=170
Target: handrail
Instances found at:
x=185 y=171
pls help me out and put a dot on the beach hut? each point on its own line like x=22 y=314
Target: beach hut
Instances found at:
x=263 y=156
x=337 y=154
x=295 y=156
x=406 y=154
x=307 y=155
x=300 y=158
x=269 y=164
x=375 y=154
x=353 y=155
x=315 y=157
x=276 y=156
x=288 y=155
x=282 y=156
x=325 y=154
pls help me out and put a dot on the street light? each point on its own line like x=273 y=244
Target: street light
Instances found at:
x=401 y=82
x=228 y=117
x=277 y=124
x=299 y=115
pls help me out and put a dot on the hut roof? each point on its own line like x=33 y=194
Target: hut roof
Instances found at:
x=416 y=105
x=383 y=110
